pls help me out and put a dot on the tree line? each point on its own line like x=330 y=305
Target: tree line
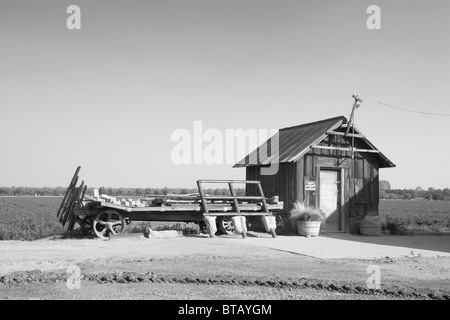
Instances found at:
x=413 y=194
x=116 y=192
x=386 y=192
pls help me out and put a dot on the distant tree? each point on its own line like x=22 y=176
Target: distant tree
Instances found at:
x=385 y=185
x=184 y=191
x=438 y=195
x=446 y=194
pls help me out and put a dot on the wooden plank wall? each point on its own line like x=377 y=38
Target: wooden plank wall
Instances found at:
x=286 y=184
x=282 y=184
x=361 y=193
x=252 y=173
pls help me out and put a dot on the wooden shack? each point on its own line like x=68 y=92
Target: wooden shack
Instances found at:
x=323 y=165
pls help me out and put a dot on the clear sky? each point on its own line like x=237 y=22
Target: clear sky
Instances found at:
x=108 y=97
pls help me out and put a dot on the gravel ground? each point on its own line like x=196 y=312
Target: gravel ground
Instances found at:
x=202 y=269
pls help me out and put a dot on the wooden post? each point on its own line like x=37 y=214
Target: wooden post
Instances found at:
x=72 y=217
x=70 y=194
x=240 y=226
x=210 y=222
x=239 y=223
x=261 y=192
x=270 y=224
x=244 y=227
x=233 y=194
x=202 y=197
x=350 y=121
x=355 y=106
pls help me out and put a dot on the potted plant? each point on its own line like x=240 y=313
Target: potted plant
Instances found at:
x=306 y=219
x=372 y=225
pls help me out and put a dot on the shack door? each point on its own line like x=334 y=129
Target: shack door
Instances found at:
x=329 y=199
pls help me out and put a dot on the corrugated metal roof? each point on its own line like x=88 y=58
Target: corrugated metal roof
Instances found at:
x=295 y=141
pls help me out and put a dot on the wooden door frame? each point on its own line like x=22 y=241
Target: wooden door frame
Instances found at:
x=340 y=170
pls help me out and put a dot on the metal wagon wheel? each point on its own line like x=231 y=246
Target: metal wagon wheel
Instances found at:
x=226 y=225
x=108 y=222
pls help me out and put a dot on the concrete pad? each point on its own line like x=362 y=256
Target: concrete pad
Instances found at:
x=165 y=234
x=342 y=245
x=126 y=236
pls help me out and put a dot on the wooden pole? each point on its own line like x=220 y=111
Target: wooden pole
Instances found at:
x=350 y=121
x=355 y=106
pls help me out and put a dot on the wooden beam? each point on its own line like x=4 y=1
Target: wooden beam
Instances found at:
x=230 y=181
x=238 y=214
x=346 y=149
x=66 y=195
x=233 y=198
x=348 y=135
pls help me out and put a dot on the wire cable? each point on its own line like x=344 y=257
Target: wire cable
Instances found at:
x=409 y=110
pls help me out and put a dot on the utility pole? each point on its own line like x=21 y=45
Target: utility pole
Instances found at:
x=356 y=104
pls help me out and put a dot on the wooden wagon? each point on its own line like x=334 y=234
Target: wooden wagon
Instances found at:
x=229 y=214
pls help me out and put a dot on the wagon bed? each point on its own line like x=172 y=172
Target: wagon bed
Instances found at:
x=228 y=213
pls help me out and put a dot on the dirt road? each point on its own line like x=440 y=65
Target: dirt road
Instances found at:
x=203 y=268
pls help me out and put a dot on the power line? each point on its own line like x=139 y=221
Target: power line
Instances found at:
x=409 y=110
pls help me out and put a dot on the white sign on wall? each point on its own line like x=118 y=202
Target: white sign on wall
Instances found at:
x=310 y=186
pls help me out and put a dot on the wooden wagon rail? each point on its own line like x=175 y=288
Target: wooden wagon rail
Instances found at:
x=228 y=212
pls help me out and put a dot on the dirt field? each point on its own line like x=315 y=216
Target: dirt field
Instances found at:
x=203 y=268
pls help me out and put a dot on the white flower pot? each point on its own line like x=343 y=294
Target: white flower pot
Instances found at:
x=308 y=228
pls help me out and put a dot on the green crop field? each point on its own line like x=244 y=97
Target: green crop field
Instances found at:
x=30 y=218
x=417 y=215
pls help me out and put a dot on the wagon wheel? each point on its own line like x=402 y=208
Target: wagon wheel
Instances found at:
x=107 y=222
x=86 y=225
x=226 y=225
